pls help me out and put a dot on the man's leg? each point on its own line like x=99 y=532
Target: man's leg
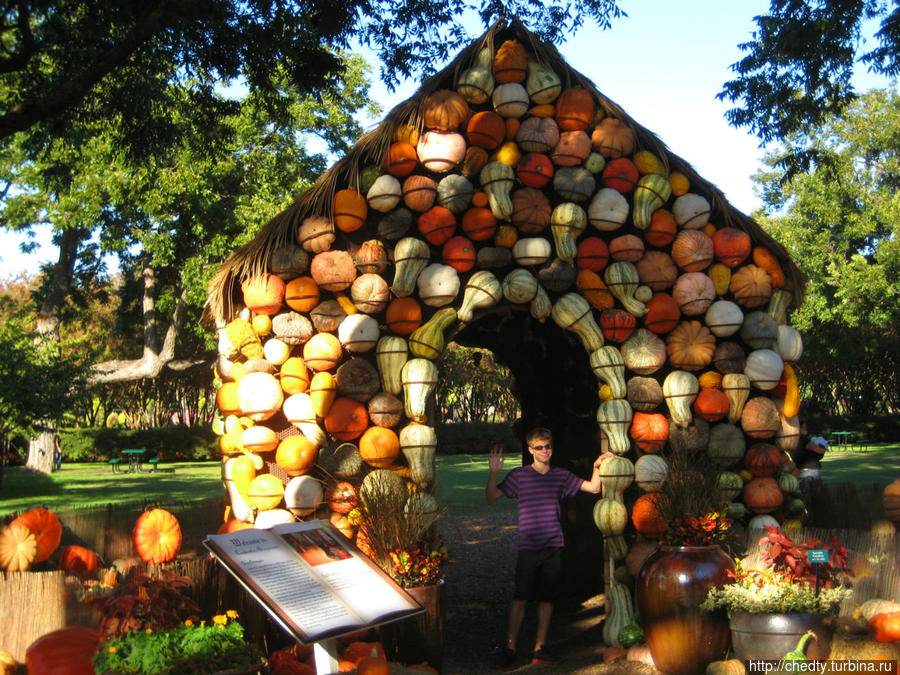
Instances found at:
x=544 y=613
x=516 y=614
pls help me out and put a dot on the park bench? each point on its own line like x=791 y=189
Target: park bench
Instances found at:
x=114 y=464
x=154 y=466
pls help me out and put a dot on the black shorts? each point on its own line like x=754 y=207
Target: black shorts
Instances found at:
x=539 y=575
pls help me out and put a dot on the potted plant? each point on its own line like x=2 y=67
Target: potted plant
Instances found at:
x=674 y=580
x=776 y=599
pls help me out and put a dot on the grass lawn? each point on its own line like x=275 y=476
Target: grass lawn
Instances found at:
x=461 y=480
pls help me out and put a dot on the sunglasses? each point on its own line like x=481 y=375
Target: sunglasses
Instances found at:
x=541 y=447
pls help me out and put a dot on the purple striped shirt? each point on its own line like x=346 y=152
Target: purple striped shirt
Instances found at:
x=539 y=498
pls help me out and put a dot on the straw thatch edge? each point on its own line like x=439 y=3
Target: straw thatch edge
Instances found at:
x=252 y=259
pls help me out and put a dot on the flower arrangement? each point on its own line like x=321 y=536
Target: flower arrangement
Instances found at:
x=785 y=582
x=692 y=503
x=193 y=646
x=422 y=566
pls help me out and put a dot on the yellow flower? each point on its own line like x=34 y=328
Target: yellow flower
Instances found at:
x=112 y=649
x=220 y=619
x=149 y=631
x=231 y=614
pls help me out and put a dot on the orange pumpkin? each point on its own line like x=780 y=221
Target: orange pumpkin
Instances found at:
x=763 y=459
x=342 y=497
x=711 y=404
x=459 y=253
x=401 y=159
x=592 y=254
x=346 y=419
x=692 y=250
x=227 y=399
x=751 y=286
x=732 y=246
x=437 y=225
x=486 y=129
x=68 y=650
x=621 y=175
x=531 y=210
x=594 y=289
x=764 y=258
x=302 y=294
x=612 y=138
x=663 y=313
x=157 y=536
x=263 y=294
x=350 y=210
x=45 y=527
x=617 y=324
x=885 y=627
x=662 y=228
x=333 y=270
x=296 y=455
x=322 y=351
x=762 y=495
x=627 y=247
x=657 y=270
x=650 y=431
x=575 y=109
x=690 y=346
x=372 y=665
x=760 y=417
x=505 y=236
x=648 y=515
x=444 y=110
x=403 y=315
x=479 y=223
x=379 y=447
x=419 y=193
x=510 y=62
x=534 y=170
x=78 y=560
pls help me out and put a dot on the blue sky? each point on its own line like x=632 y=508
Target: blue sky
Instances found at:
x=664 y=64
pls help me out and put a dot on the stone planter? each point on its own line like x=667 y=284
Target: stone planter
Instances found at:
x=771 y=636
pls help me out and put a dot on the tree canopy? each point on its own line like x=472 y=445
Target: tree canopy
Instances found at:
x=70 y=63
x=798 y=67
x=841 y=222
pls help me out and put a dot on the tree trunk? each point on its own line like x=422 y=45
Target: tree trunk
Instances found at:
x=41 y=451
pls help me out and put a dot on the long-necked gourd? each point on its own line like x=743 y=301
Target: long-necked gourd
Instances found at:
x=419 y=380
x=609 y=367
x=680 y=389
x=567 y=222
x=737 y=388
x=622 y=279
x=298 y=409
x=427 y=341
x=614 y=419
x=619 y=612
x=572 y=312
x=391 y=353
x=651 y=192
x=411 y=256
x=483 y=290
x=541 y=306
x=418 y=443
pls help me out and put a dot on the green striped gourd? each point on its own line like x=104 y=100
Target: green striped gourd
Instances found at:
x=788 y=483
x=622 y=279
x=483 y=290
x=419 y=378
x=476 y=83
x=778 y=304
x=616 y=474
x=572 y=312
x=391 y=353
x=651 y=192
x=619 y=612
x=567 y=222
x=680 y=389
x=520 y=286
x=609 y=367
x=411 y=255
x=729 y=485
x=427 y=341
x=610 y=517
x=614 y=419
x=541 y=306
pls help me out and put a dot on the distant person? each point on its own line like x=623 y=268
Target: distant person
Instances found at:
x=808 y=455
x=539 y=489
x=57 y=454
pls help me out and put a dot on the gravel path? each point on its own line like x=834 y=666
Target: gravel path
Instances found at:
x=478 y=590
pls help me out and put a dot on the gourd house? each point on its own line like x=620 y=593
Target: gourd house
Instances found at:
x=509 y=205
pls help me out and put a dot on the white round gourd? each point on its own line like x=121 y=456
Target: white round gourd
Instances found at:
x=438 y=285
x=789 y=344
x=532 y=251
x=358 y=333
x=764 y=368
x=724 y=318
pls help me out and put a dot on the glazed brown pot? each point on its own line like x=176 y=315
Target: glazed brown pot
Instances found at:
x=670 y=587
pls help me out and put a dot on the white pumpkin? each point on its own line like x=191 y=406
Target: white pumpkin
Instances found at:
x=438 y=285
x=530 y=251
x=298 y=410
x=789 y=344
x=510 y=100
x=276 y=351
x=759 y=523
x=691 y=211
x=764 y=368
x=384 y=194
x=608 y=210
x=260 y=395
x=358 y=333
x=303 y=494
x=266 y=520
x=724 y=318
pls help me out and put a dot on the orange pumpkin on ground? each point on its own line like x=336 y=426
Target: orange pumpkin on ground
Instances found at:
x=379 y=447
x=46 y=528
x=78 y=560
x=346 y=419
x=68 y=650
x=157 y=536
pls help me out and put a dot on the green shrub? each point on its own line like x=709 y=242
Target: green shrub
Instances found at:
x=474 y=437
x=874 y=428
x=173 y=443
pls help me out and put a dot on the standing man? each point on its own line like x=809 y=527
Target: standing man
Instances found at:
x=539 y=489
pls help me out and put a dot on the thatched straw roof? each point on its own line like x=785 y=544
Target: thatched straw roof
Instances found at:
x=251 y=259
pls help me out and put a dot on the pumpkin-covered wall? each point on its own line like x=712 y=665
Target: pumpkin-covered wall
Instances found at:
x=508 y=184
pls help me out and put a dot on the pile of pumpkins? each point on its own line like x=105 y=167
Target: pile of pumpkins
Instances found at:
x=509 y=188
